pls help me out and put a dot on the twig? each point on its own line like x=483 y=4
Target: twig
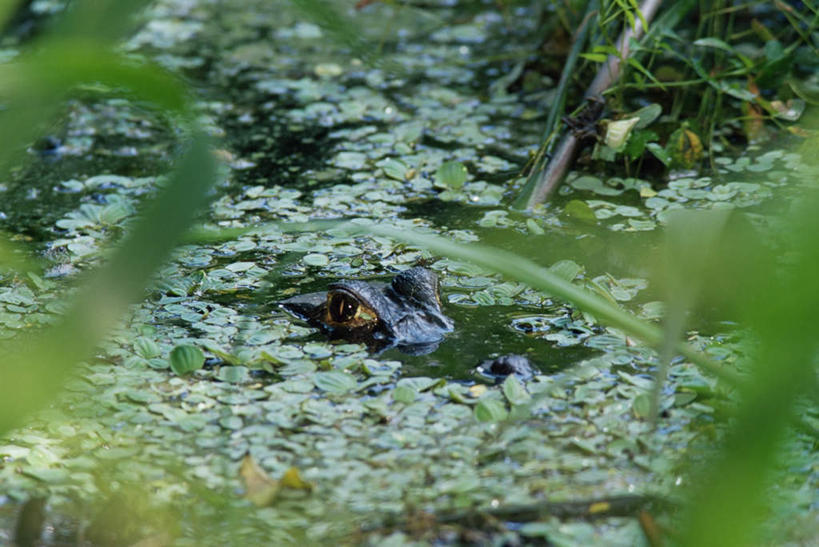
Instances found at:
x=559 y=103
x=616 y=506
x=547 y=180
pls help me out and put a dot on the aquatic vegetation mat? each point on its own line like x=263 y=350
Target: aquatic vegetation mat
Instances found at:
x=217 y=417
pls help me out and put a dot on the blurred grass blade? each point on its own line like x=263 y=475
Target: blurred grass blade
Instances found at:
x=505 y=263
x=33 y=369
x=731 y=496
x=105 y=20
x=691 y=242
x=345 y=30
x=7 y=11
x=32 y=89
x=538 y=277
x=15 y=257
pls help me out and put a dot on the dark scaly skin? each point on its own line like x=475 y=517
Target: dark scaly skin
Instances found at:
x=501 y=367
x=406 y=313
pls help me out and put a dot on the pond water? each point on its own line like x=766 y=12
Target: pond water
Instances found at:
x=315 y=123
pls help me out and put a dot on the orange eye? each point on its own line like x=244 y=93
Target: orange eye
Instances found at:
x=342 y=307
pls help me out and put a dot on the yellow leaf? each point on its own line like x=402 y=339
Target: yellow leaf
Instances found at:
x=685 y=147
x=647 y=192
x=599 y=507
x=260 y=489
x=292 y=479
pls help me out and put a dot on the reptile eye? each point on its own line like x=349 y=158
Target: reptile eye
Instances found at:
x=342 y=307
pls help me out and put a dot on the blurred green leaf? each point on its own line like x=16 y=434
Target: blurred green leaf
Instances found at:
x=777 y=299
x=15 y=257
x=451 y=174
x=566 y=269
x=714 y=43
x=490 y=410
x=34 y=86
x=7 y=9
x=34 y=369
x=659 y=153
x=343 y=29
x=104 y=20
x=234 y=375
x=808 y=92
x=335 y=381
x=647 y=115
x=514 y=391
x=186 y=359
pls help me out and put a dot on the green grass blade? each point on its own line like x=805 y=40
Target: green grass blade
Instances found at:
x=509 y=265
x=34 y=87
x=558 y=108
x=7 y=10
x=34 y=369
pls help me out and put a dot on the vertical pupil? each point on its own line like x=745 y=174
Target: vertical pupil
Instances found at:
x=342 y=308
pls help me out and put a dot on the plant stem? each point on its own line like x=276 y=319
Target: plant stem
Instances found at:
x=559 y=105
x=544 y=181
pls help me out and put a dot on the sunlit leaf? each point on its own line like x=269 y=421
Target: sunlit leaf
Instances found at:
x=618 y=132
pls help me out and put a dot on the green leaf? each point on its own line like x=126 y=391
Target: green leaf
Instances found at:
x=594 y=184
x=534 y=227
x=714 y=43
x=807 y=92
x=186 y=359
x=580 y=210
x=146 y=347
x=514 y=391
x=395 y=169
x=606 y=49
x=233 y=375
x=403 y=394
x=641 y=406
x=637 y=143
x=316 y=259
x=594 y=57
x=647 y=115
x=335 y=381
x=659 y=152
x=451 y=175
x=566 y=269
x=490 y=410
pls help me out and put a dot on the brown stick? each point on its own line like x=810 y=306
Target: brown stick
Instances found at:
x=549 y=179
x=628 y=505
